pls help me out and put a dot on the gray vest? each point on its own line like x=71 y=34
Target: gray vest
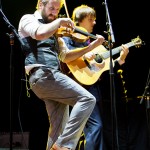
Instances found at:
x=42 y=52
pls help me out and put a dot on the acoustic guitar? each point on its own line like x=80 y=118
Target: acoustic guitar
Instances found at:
x=88 y=72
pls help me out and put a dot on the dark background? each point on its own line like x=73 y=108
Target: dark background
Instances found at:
x=129 y=19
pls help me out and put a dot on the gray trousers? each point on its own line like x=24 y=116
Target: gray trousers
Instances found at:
x=58 y=91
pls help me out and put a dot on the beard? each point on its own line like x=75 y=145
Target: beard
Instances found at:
x=48 y=18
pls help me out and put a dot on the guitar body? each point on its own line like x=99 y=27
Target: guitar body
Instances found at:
x=88 y=74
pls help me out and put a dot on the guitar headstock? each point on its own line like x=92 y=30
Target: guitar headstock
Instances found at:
x=137 y=42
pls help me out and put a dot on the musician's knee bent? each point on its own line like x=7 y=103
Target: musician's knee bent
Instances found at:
x=89 y=102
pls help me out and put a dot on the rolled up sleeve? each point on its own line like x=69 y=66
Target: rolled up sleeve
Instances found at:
x=28 y=26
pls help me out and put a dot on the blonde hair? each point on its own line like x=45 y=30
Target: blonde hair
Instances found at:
x=80 y=12
x=46 y=1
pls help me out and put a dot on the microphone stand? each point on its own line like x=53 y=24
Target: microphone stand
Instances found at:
x=111 y=40
x=146 y=97
x=146 y=88
x=11 y=36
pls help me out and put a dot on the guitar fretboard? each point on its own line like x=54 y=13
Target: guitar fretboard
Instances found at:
x=115 y=50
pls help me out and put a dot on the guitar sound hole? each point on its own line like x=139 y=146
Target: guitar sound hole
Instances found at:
x=98 y=58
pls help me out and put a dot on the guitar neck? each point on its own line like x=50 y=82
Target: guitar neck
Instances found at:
x=116 y=50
